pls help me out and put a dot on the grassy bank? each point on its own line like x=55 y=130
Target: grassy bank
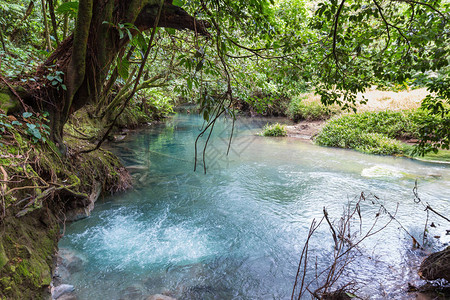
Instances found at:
x=382 y=132
x=387 y=123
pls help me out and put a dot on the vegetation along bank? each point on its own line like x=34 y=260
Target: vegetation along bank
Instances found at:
x=74 y=73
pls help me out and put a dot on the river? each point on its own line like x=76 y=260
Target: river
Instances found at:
x=237 y=231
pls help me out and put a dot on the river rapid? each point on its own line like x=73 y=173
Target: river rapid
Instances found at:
x=237 y=231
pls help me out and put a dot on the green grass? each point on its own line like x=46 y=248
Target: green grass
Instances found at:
x=373 y=132
x=442 y=155
x=274 y=130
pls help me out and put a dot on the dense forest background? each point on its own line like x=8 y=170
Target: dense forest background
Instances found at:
x=107 y=57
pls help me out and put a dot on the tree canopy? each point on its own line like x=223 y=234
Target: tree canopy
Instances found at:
x=255 y=51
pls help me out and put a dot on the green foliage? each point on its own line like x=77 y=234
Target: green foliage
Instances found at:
x=57 y=80
x=35 y=126
x=68 y=8
x=155 y=104
x=274 y=130
x=435 y=130
x=299 y=110
x=373 y=132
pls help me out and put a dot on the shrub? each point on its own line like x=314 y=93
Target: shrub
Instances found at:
x=274 y=130
x=373 y=132
x=299 y=109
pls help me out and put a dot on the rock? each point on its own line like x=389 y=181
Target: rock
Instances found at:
x=62 y=289
x=436 y=266
x=159 y=297
x=119 y=137
x=131 y=293
x=86 y=204
x=70 y=260
x=70 y=296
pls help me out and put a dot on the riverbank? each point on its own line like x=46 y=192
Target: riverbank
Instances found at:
x=388 y=123
x=308 y=130
x=41 y=190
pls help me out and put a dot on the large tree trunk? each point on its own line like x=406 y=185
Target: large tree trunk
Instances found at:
x=86 y=57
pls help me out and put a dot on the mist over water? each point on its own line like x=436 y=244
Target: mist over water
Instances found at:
x=237 y=231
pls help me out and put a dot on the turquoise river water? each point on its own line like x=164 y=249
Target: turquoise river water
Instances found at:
x=238 y=231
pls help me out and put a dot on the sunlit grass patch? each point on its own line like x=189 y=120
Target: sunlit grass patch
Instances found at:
x=274 y=130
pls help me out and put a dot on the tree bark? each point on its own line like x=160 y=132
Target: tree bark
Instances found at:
x=65 y=24
x=47 y=32
x=53 y=19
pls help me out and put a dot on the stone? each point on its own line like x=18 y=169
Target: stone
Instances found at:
x=131 y=292
x=70 y=296
x=62 y=289
x=70 y=260
x=436 y=266
x=159 y=297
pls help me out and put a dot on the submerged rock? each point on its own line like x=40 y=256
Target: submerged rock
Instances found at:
x=436 y=266
x=70 y=260
x=379 y=171
x=62 y=289
x=131 y=293
x=159 y=297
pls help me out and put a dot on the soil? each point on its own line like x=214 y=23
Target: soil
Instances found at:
x=305 y=130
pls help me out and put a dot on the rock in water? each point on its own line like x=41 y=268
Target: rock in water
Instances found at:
x=159 y=297
x=436 y=266
x=62 y=289
x=72 y=261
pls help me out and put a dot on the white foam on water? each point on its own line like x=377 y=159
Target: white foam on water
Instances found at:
x=128 y=240
x=381 y=171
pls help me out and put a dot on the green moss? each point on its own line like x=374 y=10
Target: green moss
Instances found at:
x=7 y=103
x=3 y=258
x=28 y=243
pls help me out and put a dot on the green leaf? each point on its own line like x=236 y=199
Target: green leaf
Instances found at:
x=27 y=114
x=130 y=36
x=123 y=68
x=70 y=8
x=15 y=122
x=206 y=116
x=178 y=3
x=36 y=134
x=31 y=126
x=142 y=43
x=199 y=66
